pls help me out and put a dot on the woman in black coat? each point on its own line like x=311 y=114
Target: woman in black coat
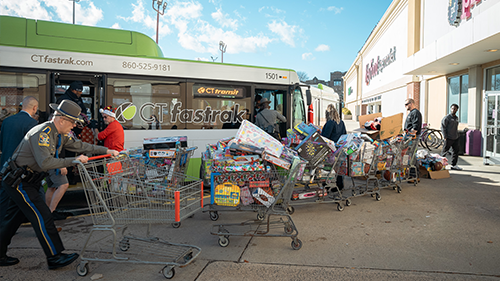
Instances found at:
x=332 y=130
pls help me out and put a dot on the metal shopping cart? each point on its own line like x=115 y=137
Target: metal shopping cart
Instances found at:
x=365 y=169
x=271 y=199
x=318 y=185
x=123 y=192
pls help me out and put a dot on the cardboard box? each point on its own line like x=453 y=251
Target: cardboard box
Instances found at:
x=436 y=175
x=389 y=127
x=423 y=173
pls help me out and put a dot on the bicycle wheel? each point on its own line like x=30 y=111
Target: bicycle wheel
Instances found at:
x=422 y=138
x=432 y=140
x=439 y=138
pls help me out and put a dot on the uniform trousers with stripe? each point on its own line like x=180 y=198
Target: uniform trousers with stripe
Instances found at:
x=27 y=203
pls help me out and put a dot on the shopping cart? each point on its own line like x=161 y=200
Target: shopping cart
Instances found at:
x=318 y=185
x=123 y=192
x=409 y=159
x=365 y=169
x=271 y=199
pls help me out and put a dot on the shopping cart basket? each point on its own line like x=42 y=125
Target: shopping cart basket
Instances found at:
x=319 y=185
x=274 y=196
x=121 y=192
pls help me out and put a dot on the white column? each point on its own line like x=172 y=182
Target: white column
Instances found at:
x=475 y=97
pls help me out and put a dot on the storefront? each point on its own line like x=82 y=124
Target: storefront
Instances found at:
x=447 y=52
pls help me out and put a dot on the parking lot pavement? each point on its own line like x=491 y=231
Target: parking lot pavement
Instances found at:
x=441 y=229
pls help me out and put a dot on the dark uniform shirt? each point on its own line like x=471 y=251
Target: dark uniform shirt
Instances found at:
x=414 y=121
x=449 y=127
x=38 y=148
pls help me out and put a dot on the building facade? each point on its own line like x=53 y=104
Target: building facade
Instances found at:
x=438 y=53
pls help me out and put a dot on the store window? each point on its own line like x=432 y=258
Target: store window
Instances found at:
x=337 y=83
x=493 y=79
x=458 y=93
x=145 y=104
x=15 y=86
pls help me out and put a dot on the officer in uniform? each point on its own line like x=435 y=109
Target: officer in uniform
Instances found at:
x=36 y=154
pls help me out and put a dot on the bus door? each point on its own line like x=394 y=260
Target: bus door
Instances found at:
x=279 y=97
x=93 y=94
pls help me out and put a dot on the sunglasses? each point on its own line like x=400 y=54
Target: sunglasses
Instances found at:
x=406 y=104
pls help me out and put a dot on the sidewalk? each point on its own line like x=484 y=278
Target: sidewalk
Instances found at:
x=444 y=229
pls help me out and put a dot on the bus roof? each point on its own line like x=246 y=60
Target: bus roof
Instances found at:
x=39 y=34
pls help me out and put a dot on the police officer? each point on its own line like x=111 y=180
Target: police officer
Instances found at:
x=37 y=153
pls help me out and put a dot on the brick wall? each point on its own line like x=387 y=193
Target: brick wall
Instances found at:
x=413 y=92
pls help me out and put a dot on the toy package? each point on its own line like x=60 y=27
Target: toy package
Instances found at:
x=249 y=133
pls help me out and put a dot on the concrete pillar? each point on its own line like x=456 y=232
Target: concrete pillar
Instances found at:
x=413 y=92
x=475 y=97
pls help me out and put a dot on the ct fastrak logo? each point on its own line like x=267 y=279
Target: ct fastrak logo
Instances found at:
x=125 y=111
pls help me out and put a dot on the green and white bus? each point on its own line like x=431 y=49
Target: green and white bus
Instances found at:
x=156 y=96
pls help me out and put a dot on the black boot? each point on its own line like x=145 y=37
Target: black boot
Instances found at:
x=61 y=260
x=8 y=261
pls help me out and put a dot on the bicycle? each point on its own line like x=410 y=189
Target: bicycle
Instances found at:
x=430 y=138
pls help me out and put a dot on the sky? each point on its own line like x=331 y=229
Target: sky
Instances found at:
x=315 y=37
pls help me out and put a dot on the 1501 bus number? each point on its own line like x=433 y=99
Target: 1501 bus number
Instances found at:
x=146 y=66
x=272 y=76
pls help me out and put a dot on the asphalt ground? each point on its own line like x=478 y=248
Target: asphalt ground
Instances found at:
x=445 y=229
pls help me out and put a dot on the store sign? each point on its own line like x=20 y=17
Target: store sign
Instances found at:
x=376 y=67
x=217 y=92
x=349 y=91
x=454 y=12
x=372 y=99
x=127 y=111
x=460 y=10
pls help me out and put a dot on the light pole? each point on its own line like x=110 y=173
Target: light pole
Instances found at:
x=222 y=48
x=213 y=59
x=160 y=9
x=74 y=9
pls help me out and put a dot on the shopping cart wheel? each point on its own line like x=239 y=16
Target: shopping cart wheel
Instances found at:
x=124 y=244
x=348 y=202
x=399 y=189
x=223 y=241
x=260 y=216
x=377 y=197
x=214 y=216
x=188 y=257
x=290 y=210
x=288 y=229
x=340 y=207
x=168 y=271
x=82 y=269
x=176 y=224
x=353 y=193
x=296 y=244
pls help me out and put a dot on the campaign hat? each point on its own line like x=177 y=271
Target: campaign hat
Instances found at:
x=68 y=109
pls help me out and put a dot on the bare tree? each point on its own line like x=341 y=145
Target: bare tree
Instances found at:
x=302 y=76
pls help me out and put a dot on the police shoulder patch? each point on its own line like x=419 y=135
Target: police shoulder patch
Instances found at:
x=43 y=139
x=46 y=130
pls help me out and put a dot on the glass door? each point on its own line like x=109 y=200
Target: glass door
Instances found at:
x=491 y=127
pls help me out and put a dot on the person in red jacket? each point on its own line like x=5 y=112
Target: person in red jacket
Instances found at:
x=113 y=135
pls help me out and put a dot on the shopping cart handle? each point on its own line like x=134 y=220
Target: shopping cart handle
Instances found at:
x=99 y=157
